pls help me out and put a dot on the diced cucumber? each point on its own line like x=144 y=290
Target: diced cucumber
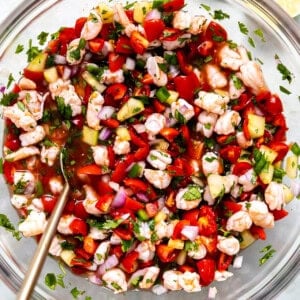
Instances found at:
x=291 y=167
x=140 y=10
x=123 y=133
x=216 y=185
x=247 y=239
x=51 y=74
x=90 y=136
x=136 y=170
x=256 y=125
x=162 y=94
x=92 y=81
x=38 y=63
x=67 y=256
x=131 y=108
x=269 y=153
x=266 y=175
x=173 y=97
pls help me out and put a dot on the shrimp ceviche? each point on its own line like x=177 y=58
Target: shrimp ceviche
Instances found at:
x=172 y=143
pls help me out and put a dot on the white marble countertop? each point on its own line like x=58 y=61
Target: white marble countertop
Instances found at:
x=291 y=292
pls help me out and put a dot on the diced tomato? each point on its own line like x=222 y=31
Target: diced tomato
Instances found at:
x=79 y=226
x=103 y=188
x=79 y=210
x=91 y=169
x=205 y=48
x=169 y=133
x=165 y=253
x=116 y=250
x=184 y=66
x=215 y=32
x=158 y=106
x=207 y=221
x=82 y=254
x=67 y=34
x=170 y=34
x=110 y=123
x=138 y=185
x=195 y=149
x=119 y=173
x=271 y=104
x=129 y=263
x=12 y=142
x=142 y=90
x=187 y=85
x=35 y=76
x=53 y=46
x=96 y=45
x=186 y=268
x=138 y=42
x=111 y=156
x=279 y=214
x=210 y=243
x=206 y=269
x=135 y=139
x=192 y=216
x=231 y=153
x=224 y=262
x=9 y=169
x=279 y=121
x=153 y=29
x=49 y=202
x=178 y=228
x=258 y=232
x=89 y=245
x=241 y=168
x=147 y=79
x=115 y=61
x=226 y=139
x=80 y=264
x=79 y=25
x=243 y=101
x=281 y=149
x=232 y=206
x=132 y=204
x=117 y=91
x=123 y=233
x=123 y=45
x=180 y=167
x=105 y=202
x=173 y=5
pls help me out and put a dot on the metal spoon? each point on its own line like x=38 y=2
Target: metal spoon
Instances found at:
x=41 y=252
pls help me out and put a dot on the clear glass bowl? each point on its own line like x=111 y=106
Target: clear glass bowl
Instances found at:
x=282 y=38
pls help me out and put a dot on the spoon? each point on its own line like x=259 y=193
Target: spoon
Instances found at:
x=41 y=252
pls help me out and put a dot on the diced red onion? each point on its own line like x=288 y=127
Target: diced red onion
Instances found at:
x=93 y=278
x=142 y=197
x=159 y=289
x=212 y=293
x=152 y=93
x=29 y=188
x=106 y=112
x=140 y=128
x=2 y=89
x=104 y=134
x=109 y=263
x=115 y=186
x=59 y=59
x=161 y=203
x=119 y=199
x=191 y=232
x=153 y=14
x=74 y=70
x=130 y=64
x=238 y=261
x=67 y=73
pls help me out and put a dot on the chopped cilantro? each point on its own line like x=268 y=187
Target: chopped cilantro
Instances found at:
x=10 y=80
x=220 y=15
x=5 y=223
x=193 y=193
x=76 y=292
x=171 y=59
x=278 y=174
x=284 y=90
x=106 y=225
x=50 y=281
x=260 y=34
x=191 y=246
x=269 y=251
x=129 y=5
x=116 y=286
x=1 y=165
x=206 y=7
x=251 y=41
x=232 y=45
x=207 y=58
x=179 y=117
x=210 y=159
x=42 y=37
x=285 y=72
x=238 y=84
x=64 y=110
x=296 y=149
x=21 y=105
x=67 y=245
x=126 y=245
x=8 y=98
x=243 y=28
x=19 y=49
x=163 y=67
x=32 y=51
x=260 y=161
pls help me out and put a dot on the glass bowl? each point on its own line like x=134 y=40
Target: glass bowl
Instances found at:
x=281 y=37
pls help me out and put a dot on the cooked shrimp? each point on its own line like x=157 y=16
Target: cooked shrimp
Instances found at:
x=34 y=102
x=146 y=251
x=227 y=122
x=49 y=155
x=63 y=226
x=115 y=280
x=160 y=179
x=56 y=184
x=274 y=195
x=109 y=77
x=215 y=77
x=75 y=51
x=101 y=252
x=19 y=201
x=228 y=245
x=149 y=278
x=159 y=159
x=183 y=199
x=190 y=281
x=20 y=116
x=92 y=26
x=259 y=213
x=206 y=123
x=182 y=110
x=212 y=102
x=159 y=77
x=248 y=180
x=181 y=20
x=234 y=90
x=171 y=280
x=32 y=137
x=177 y=43
x=26 y=84
x=197 y=25
x=164 y=229
x=22 y=153
x=55 y=248
x=239 y=221
x=95 y=103
x=155 y=123
x=34 y=224
x=230 y=58
x=242 y=140
x=100 y=155
x=198 y=252
x=211 y=163
x=98 y=234
x=90 y=201
x=120 y=146
x=121 y=17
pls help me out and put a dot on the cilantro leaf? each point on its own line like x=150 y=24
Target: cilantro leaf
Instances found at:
x=251 y=41
x=64 y=110
x=220 y=15
x=105 y=225
x=126 y=245
x=269 y=252
x=76 y=292
x=42 y=37
x=50 y=281
x=296 y=149
x=19 y=49
x=238 y=84
x=284 y=90
x=260 y=34
x=8 y=98
x=243 y=28
x=10 y=80
x=32 y=51
x=285 y=72
x=206 y=7
x=5 y=223
x=179 y=117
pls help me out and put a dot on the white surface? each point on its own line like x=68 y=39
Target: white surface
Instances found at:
x=290 y=293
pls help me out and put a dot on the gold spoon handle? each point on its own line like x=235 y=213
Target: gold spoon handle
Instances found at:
x=41 y=252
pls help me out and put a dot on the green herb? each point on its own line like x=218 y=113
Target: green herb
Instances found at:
x=116 y=286
x=114 y=35
x=163 y=67
x=1 y=165
x=162 y=94
x=171 y=59
x=193 y=193
x=32 y=51
x=269 y=251
x=95 y=70
x=220 y=15
x=191 y=246
x=135 y=281
x=209 y=143
x=220 y=196
x=67 y=245
x=39 y=191
x=260 y=34
x=135 y=171
x=260 y=161
x=179 y=117
x=251 y=41
x=207 y=126
x=106 y=225
x=206 y=7
x=21 y=105
x=278 y=174
x=129 y=5
x=243 y=28
x=64 y=110
x=19 y=49
x=248 y=205
x=76 y=292
x=50 y=281
x=217 y=38
x=76 y=53
x=208 y=59
x=126 y=245
x=42 y=37
x=5 y=223
x=60 y=280
x=20 y=187
x=88 y=298
x=232 y=45
x=295 y=149
x=10 y=80
x=285 y=72
x=284 y=90
x=210 y=159
x=238 y=84
x=8 y=98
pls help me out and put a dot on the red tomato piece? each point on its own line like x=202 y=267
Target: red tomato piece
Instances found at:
x=192 y=216
x=243 y=101
x=132 y=204
x=49 y=202
x=67 y=34
x=158 y=106
x=117 y=91
x=151 y=209
x=206 y=269
x=138 y=42
x=207 y=221
x=103 y=188
x=186 y=268
x=231 y=153
x=165 y=253
x=79 y=25
x=178 y=228
x=89 y=245
x=241 y=168
x=141 y=153
x=169 y=133
x=224 y=262
x=110 y=123
x=96 y=45
x=12 y=142
x=116 y=250
x=79 y=226
x=232 y=206
x=258 y=232
x=115 y=61
x=82 y=254
x=111 y=156
x=91 y=169
x=215 y=32
x=78 y=121
x=9 y=169
x=182 y=61
x=205 y=48
x=105 y=202
x=279 y=214
x=195 y=149
x=153 y=29
x=187 y=85
x=35 y=76
x=123 y=233
x=173 y=5
x=123 y=45
x=79 y=210
x=129 y=263
x=281 y=149
x=119 y=173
